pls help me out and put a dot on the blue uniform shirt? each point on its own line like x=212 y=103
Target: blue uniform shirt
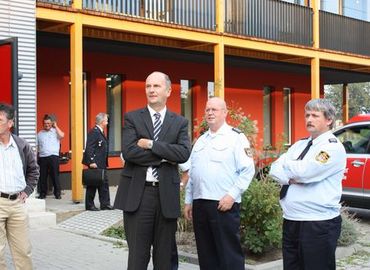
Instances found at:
x=220 y=163
x=320 y=175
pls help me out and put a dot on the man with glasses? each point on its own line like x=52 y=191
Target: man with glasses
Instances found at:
x=221 y=169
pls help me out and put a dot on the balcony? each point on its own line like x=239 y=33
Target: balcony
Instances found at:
x=269 y=19
x=191 y=13
x=266 y=19
x=344 y=34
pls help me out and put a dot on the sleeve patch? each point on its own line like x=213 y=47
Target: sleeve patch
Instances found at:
x=249 y=152
x=322 y=157
x=333 y=140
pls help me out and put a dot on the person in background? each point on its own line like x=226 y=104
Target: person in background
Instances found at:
x=221 y=169
x=48 y=145
x=19 y=173
x=155 y=140
x=311 y=173
x=96 y=156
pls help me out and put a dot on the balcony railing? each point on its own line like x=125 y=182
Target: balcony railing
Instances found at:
x=192 y=13
x=58 y=2
x=344 y=34
x=269 y=19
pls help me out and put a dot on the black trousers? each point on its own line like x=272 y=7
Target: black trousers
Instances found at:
x=147 y=227
x=49 y=166
x=104 y=197
x=217 y=236
x=310 y=245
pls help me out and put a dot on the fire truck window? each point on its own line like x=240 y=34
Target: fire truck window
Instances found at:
x=356 y=139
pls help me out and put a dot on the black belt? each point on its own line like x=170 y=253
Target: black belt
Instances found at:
x=151 y=184
x=11 y=197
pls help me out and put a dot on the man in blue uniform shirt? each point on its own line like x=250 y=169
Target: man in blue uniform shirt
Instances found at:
x=221 y=169
x=311 y=173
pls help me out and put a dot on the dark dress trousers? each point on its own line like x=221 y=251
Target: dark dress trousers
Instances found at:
x=96 y=151
x=150 y=213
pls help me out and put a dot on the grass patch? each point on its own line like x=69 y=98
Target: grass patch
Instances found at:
x=115 y=232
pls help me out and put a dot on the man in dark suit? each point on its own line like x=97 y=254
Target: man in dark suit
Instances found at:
x=154 y=140
x=96 y=156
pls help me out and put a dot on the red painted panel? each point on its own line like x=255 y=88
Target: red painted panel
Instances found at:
x=5 y=73
x=242 y=86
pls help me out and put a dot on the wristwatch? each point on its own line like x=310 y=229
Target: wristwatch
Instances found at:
x=150 y=144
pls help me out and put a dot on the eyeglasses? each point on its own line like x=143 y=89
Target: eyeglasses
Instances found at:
x=212 y=110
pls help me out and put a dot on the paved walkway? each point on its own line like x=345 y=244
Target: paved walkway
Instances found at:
x=76 y=243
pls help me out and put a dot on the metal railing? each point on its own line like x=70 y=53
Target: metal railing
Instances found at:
x=58 y=2
x=344 y=34
x=269 y=19
x=193 y=13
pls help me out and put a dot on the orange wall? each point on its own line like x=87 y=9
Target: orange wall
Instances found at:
x=243 y=88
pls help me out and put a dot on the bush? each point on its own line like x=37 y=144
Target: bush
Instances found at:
x=349 y=233
x=261 y=216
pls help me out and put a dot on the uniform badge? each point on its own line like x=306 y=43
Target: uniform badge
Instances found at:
x=249 y=152
x=322 y=157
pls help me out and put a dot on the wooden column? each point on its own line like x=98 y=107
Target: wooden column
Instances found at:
x=315 y=77
x=219 y=52
x=315 y=5
x=76 y=109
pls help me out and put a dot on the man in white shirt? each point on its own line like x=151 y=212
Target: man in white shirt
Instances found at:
x=48 y=143
x=19 y=173
x=311 y=173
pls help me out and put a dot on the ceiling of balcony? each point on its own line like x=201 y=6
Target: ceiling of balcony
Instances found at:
x=49 y=33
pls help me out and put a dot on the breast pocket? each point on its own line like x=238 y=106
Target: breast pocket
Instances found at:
x=219 y=152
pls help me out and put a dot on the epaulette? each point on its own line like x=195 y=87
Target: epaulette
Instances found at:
x=236 y=130
x=304 y=138
x=333 y=140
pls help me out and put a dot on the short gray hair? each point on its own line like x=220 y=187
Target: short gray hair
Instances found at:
x=322 y=105
x=100 y=117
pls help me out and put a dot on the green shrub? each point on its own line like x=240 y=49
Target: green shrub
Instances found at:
x=261 y=216
x=115 y=232
x=349 y=233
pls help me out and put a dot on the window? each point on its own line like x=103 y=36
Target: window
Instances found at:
x=211 y=89
x=114 y=108
x=355 y=139
x=330 y=6
x=298 y=2
x=357 y=9
x=287 y=115
x=267 y=116
x=187 y=104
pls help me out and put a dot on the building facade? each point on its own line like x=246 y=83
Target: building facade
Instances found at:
x=268 y=57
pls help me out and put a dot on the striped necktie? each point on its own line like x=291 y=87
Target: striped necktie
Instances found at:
x=157 y=129
x=284 y=188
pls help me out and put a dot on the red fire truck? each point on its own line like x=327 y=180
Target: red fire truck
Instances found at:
x=355 y=136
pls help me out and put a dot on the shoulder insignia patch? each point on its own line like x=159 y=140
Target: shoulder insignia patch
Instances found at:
x=322 y=157
x=237 y=130
x=249 y=152
x=333 y=140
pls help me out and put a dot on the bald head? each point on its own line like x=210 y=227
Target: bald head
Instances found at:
x=215 y=113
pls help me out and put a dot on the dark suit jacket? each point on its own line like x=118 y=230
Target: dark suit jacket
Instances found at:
x=96 y=150
x=173 y=145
